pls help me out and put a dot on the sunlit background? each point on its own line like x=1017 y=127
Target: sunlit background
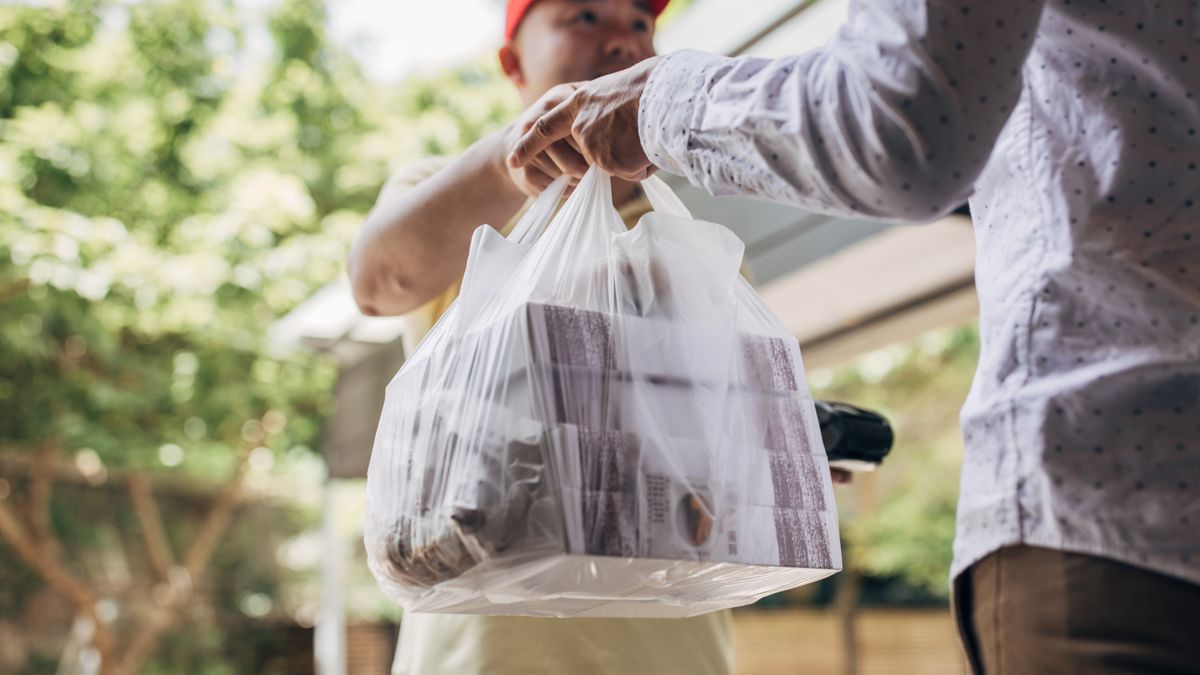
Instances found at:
x=176 y=179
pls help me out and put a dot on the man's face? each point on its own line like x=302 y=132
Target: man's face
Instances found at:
x=574 y=40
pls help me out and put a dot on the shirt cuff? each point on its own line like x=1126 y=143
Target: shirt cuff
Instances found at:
x=672 y=105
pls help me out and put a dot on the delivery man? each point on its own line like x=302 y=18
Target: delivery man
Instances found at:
x=409 y=260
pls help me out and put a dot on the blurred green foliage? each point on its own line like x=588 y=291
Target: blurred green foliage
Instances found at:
x=175 y=175
x=899 y=523
x=167 y=190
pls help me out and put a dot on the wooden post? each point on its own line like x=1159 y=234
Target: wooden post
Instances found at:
x=329 y=639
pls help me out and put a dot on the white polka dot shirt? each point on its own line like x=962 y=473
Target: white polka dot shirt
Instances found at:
x=1073 y=127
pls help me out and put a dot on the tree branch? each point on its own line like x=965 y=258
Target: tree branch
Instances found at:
x=14 y=289
x=16 y=462
x=46 y=567
x=42 y=558
x=201 y=550
x=195 y=562
x=38 y=506
x=146 y=639
x=153 y=532
x=181 y=579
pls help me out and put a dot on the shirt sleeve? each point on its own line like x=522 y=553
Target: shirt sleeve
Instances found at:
x=894 y=118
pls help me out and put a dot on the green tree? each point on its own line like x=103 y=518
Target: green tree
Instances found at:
x=170 y=184
x=899 y=522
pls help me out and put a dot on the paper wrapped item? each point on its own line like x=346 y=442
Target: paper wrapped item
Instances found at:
x=605 y=478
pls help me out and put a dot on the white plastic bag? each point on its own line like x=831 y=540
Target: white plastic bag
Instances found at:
x=607 y=422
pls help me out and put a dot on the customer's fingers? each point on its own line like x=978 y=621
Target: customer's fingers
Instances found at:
x=545 y=131
x=546 y=166
x=567 y=158
x=533 y=181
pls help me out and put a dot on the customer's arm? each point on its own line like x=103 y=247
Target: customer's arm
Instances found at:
x=894 y=118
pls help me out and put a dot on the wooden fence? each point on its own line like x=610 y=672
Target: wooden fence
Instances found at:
x=767 y=642
x=888 y=641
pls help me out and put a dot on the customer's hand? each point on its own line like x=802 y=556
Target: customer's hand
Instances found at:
x=600 y=119
x=553 y=159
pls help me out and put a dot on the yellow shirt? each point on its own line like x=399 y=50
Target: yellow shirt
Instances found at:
x=462 y=644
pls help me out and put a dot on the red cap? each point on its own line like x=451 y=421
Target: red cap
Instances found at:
x=518 y=8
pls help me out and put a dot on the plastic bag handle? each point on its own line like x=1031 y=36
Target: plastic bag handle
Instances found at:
x=540 y=212
x=663 y=198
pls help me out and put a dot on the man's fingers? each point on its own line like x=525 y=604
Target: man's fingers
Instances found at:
x=622 y=165
x=545 y=131
x=533 y=181
x=567 y=159
x=628 y=174
x=546 y=166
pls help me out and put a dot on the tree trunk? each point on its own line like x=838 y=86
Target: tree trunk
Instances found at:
x=181 y=579
x=38 y=546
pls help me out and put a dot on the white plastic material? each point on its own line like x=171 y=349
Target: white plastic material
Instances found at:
x=605 y=423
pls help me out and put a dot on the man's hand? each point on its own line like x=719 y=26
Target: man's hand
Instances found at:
x=553 y=160
x=599 y=119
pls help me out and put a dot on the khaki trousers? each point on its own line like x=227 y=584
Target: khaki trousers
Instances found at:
x=1027 y=611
